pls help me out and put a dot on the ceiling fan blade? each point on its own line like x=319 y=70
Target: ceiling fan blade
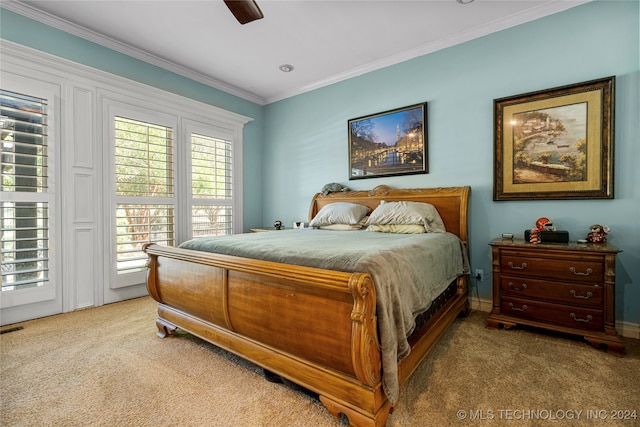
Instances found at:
x=245 y=11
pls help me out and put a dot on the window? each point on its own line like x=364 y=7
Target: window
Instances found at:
x=144 y=179
x=80 y=246
x=24 y=210
x=211 y=186
x=172 y=180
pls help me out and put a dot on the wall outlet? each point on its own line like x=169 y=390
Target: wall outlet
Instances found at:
x=479 y=275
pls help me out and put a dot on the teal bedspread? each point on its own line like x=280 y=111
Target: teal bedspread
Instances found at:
x=409 y=272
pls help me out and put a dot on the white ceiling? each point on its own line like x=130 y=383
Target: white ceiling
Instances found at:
x=326 y=41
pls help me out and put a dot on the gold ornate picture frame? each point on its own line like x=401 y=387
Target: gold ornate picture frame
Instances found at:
x=555 y=143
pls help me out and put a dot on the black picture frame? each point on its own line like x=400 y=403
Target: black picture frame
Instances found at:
x=390 y=143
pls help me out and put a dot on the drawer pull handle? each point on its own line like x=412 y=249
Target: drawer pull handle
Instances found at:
x=575 y=295
x=521 y=288
x=588 y=319
x=579 y=273
x=523 y=308
x=522 y=267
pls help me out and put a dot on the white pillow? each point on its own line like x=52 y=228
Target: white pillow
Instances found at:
x=408 y=213
x=339 y=213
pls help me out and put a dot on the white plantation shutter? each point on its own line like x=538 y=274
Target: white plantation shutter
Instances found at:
x=173 y=179
x=211 y=186
x=210 y=167
x=143 y=183
x=60 y=202
x=139 y=224
x=24 y=210
x=144 y=159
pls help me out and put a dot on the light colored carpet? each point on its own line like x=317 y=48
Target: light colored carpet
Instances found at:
x=105 y=367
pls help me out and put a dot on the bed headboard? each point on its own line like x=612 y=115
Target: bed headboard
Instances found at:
x=452 y=202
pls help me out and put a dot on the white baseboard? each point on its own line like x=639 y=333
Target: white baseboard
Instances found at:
x=625 y=329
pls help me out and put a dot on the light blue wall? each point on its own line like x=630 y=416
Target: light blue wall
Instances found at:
x=18 y=29
x=306 y=136
x=295 y=146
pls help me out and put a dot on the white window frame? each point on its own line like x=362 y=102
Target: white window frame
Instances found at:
x=50 y=294
x=190 y=127
x=183 y=123
x=117 y=109
x=80 y=249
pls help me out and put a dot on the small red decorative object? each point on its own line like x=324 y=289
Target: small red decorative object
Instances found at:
x=541 y=222
x=597 y=233
x=535 y=236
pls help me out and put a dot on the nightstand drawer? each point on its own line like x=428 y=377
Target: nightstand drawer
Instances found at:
x=558 y=314
x=584 y=270
x=568 y=293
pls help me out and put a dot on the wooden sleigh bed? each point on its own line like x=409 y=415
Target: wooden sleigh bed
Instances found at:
x=312 y=326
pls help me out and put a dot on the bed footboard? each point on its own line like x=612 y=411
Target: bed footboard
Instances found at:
x=314 y=327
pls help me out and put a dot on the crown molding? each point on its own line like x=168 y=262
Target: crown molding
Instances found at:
x=27 y=58
x=540 y=11
x=92 y=36
x=544 y=9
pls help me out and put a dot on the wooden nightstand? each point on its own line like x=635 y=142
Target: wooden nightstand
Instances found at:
x=565 y=287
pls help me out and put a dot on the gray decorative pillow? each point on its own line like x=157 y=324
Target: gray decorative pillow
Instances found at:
x=408 y=213
x=339 y=213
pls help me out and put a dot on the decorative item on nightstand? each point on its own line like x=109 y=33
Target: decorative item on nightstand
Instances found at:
x=546 y=232
x=597 y=233
x=544 y=224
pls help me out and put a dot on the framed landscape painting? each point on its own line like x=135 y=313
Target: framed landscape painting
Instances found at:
x=556 y=143
x=389 y=143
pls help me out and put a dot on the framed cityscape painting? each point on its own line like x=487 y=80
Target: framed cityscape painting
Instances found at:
x=556 y=143
x=389 y=143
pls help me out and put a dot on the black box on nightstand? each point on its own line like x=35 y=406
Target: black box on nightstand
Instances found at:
x=559 y=236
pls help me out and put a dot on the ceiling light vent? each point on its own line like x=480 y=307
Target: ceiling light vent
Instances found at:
x=286 y=68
